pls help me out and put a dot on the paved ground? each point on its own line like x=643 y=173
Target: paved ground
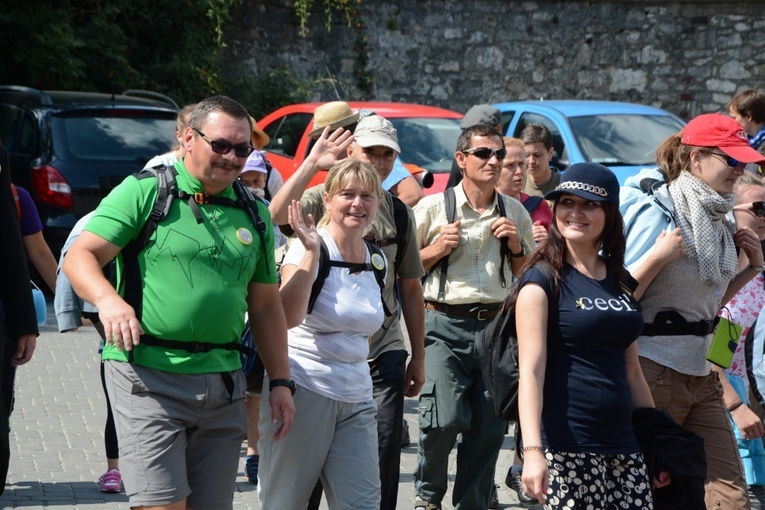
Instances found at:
x=57 y=450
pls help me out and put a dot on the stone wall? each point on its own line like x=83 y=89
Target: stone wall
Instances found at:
x=686 y=56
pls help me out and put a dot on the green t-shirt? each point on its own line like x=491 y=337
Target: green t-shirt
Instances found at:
x=195 y=276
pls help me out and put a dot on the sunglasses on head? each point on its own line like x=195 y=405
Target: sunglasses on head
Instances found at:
x=486 y=153
x=218 y=147
x=756 y=208
x=732 y=162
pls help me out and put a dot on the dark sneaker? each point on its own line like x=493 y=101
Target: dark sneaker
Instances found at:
x=251 y=463
x=494 y=501
x=513 y=480
x=426 y=505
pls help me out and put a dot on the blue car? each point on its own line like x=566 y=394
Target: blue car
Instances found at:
x=621 y=136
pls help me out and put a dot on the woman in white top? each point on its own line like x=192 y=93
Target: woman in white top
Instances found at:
x=335 y=438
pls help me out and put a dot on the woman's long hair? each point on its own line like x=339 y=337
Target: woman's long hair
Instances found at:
x=553 y=250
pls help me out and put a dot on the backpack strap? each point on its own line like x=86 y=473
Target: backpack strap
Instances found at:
x=532 y=203
x=167 y=191
x=326 y=264
x=450 y=205
x=269 y=169
x=401 y=221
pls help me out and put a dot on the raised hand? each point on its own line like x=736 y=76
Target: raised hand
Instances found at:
x=330 y=148
x=305 y=230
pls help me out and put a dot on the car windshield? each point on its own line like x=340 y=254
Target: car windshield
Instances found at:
x=614 y=140
x=428 y=142
x=124 y=138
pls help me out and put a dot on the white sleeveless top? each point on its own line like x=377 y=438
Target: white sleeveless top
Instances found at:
x=328 y=350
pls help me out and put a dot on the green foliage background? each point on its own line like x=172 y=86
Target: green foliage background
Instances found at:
x=109 y=46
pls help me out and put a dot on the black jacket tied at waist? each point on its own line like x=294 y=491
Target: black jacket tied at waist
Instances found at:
x=666 y=446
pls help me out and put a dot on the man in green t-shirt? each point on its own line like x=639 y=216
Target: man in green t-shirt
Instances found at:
x=180 y=413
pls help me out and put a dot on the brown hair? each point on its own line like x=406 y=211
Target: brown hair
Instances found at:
x=673 y=156
x=746 y=181
x=342 y=173
x=749 y=103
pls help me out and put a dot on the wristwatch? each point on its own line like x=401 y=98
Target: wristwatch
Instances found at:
x=273 y=383
x=759 y=269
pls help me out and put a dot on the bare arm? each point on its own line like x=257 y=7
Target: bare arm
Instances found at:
x=414 y=317
x=267 y=318
x=531 y=324
x=297 y=280
x=745 y=419
x=408 y=190
x=42 y=258
x=668 y=248
x=324 y=154
x=82 y=265
x=639 y=390
x=751 y=254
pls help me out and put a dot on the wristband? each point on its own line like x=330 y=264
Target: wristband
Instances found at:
x=517 y=255
x=282 y=382
x=759 y=269
x=735 y=406
x=532 y=448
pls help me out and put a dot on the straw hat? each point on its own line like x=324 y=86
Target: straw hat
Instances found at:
x=334 y=114
x=259 y=137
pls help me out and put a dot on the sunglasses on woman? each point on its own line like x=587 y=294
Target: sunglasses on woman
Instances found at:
x=756 y=208
x=732 y=162
x=218 y=147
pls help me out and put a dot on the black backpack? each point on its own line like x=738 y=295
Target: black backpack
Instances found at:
x=326 y=264
x=497 y=347
x=168 y=191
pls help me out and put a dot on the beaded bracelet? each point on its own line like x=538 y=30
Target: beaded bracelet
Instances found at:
x=532 y=448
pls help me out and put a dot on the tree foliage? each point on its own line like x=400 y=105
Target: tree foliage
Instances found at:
x=112 y=45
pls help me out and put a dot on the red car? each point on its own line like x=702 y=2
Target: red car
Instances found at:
x=427 y=136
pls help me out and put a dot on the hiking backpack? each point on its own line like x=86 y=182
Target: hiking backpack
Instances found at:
x=497 y=347
x=326 y=264
x=167 y=191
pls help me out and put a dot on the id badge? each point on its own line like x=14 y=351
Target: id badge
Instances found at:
x=724 y=343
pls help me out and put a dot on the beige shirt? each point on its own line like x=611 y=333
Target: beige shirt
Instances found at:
x=390 y=336
x=473 y=275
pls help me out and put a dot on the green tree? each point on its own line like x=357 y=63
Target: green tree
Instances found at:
x=112 y=45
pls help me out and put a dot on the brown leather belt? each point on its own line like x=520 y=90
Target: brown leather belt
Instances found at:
x=479 y=311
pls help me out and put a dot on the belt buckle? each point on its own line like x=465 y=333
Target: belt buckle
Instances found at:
x=483 y=314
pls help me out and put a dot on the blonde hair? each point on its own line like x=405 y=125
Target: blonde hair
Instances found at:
x=746 y=181
x=182 y=121
x=342 y=173
x=515 y=142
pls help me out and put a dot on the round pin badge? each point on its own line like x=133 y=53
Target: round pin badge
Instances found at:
x=377 y=261
x=244 y=236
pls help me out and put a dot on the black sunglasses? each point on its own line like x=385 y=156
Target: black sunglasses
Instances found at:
x=757 y=208
x=218 y=147
x=732 y=162
x=486 y=153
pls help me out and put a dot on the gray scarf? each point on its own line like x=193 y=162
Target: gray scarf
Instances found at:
x=700 y=213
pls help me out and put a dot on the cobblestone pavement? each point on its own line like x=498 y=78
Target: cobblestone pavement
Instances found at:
x=57 y=446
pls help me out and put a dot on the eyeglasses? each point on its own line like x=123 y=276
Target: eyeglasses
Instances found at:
x=756 y=208
x=733 y=163
x=486 y=153
x=218 y=147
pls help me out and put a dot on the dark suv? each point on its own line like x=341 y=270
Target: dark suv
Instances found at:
x=69 y=149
